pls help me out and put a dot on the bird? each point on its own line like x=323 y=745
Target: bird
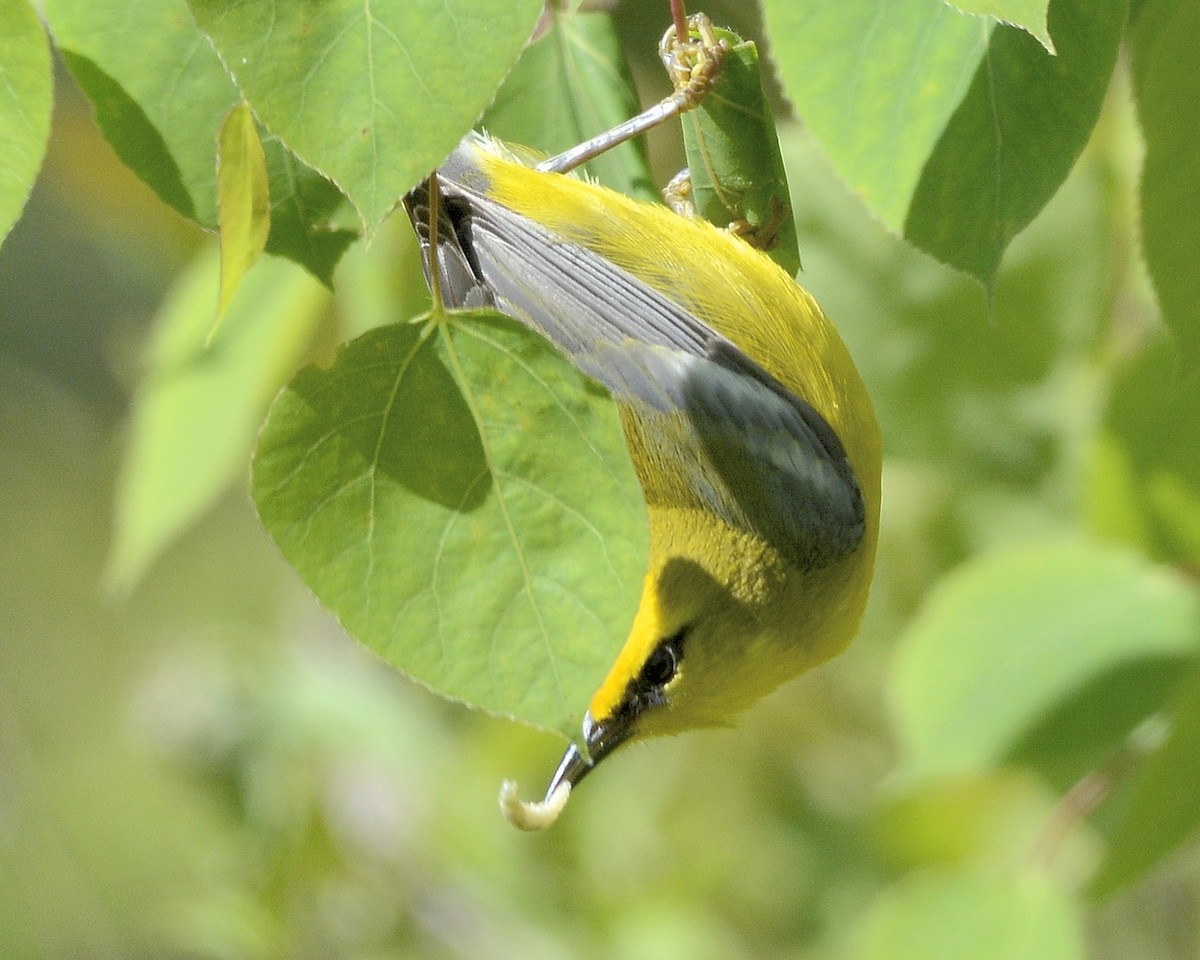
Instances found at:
x=750 y=430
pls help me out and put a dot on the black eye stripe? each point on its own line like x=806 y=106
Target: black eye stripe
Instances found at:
x=648 y=688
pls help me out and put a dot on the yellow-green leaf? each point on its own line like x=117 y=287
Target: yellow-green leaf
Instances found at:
x=26 y=91
x=199 y=406
x=243 y=201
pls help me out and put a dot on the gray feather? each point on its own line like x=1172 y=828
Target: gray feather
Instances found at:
x=757 y=455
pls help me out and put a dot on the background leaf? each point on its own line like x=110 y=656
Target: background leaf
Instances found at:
x=1167 y=84
x=199 y=408
x=464 y=509
x=1144 y=477
x=160 y=103
x=965 y=152
x=26 y=92
x=1163 y=807
x=571 y=84
x=839 y=64
x=374 y=95
x=959 y=916
x=1006 y=638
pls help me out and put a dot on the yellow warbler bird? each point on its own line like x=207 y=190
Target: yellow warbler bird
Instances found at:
x=749 y=428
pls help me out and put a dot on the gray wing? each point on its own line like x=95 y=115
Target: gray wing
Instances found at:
x=756 y=454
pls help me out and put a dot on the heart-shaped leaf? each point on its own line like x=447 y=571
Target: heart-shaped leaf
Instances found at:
x=372 y=94
x=461 y=498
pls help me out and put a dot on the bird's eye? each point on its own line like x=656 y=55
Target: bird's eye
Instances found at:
x=660 y=667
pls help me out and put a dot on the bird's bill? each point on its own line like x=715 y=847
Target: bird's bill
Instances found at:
x=600 y=739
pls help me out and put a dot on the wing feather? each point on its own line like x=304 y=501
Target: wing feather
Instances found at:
x=744 y=446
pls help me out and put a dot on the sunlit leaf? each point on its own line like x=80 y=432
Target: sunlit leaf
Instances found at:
x=243 y=200
x=956 y=131
x=876 y=83
x=26 y=92
x=160 y=94
x=374 y=95
x=160 y=104
x=1029 y=15
x=463 y=502
x=1014 y=138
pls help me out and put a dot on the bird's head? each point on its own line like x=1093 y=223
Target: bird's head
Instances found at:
x=719 y=625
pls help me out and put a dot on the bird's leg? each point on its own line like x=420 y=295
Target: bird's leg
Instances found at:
x=694 y=65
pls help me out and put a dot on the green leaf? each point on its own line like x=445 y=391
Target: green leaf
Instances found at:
x=956 y=132
x=462 y=500
x=1015 y=136
x=304 y=207
x=160 y=95
x=243 y=201
x=1113 y=495
x=374 y=95
x=198 y=408
x=734 y=162
x=159 y=103
x=1029 y=15
x=876 y=83
x=1167 y=87
x=1164 y=808
x=570 y=85
x=1097 y=721
x=381 y=281
x=1176 y=503
x=26 y=97
x=1143 y=482
x=1003 y=640
x=970 y=916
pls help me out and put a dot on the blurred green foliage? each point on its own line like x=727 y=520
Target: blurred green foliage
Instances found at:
x=206 y=766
